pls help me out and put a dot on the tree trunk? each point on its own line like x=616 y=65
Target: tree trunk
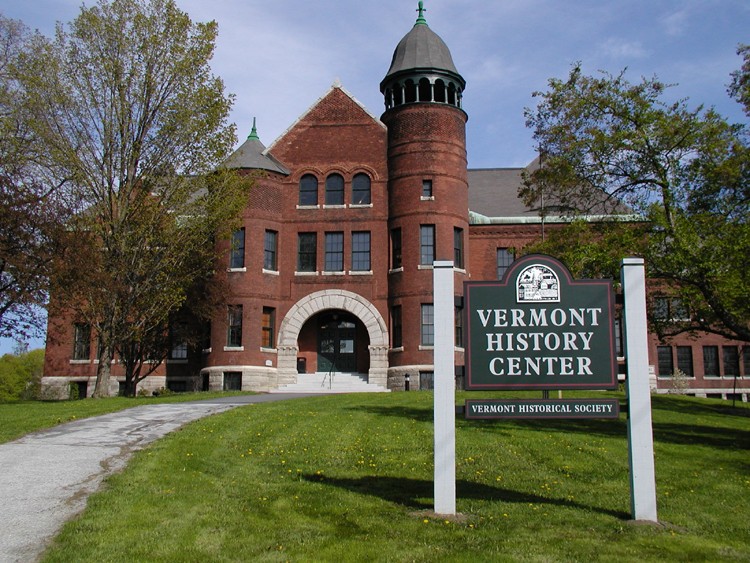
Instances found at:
x=103 y=371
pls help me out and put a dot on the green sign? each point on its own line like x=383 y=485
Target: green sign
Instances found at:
x=542 y=408
x=540 y=329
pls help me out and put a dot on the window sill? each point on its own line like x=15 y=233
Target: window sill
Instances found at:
x=271 y=272
x=207 y=350
x=232 y=270
x=360 y=205
x=308 y=206
x=425 y=267
x=333 y=273
x=426 y=347
x=360 y=272
x=397 y=349
x=427 y=198
x=234 y=348
x=306 y=273
x=396 y=270
x=269 y=350
x=79 y=362
x=334 y=206
x=460 y=271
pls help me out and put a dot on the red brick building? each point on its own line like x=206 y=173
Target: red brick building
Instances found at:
x=330 y=276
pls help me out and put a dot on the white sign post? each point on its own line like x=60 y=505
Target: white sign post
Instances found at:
x=640 y=432
x=445 y=389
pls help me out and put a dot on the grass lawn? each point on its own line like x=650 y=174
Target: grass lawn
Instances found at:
x=22 y=417
x=349 y=478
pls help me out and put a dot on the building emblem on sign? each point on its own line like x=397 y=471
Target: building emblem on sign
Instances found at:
x=537 y=284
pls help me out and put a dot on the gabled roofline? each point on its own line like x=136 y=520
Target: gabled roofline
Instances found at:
x=336 y=85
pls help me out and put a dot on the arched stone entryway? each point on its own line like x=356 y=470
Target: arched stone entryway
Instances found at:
x=332 y=299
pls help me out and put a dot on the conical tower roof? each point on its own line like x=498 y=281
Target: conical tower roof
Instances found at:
x=252 y=155
x=421 y=51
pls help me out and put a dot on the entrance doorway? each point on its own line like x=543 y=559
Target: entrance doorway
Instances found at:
x=337 y=343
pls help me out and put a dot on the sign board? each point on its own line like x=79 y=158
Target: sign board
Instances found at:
x=540 y=329
x=542 y=408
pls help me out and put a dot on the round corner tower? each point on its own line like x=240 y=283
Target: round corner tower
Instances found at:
x=427 y=187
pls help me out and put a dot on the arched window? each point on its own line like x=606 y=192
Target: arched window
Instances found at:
x=452 y=94
x=440 y=91
x=308 y=190
x=361 y=190
x=425 y=90
x=411 y=91
x=335 y=190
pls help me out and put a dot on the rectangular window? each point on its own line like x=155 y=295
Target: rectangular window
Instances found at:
x=177 y=334
x=269 y=251
x=361 y=251
x=234 y=326
x=426 y=188
x=685 y=360
x=504 y=260
x=711 y=360
x=427 y=244
x=731 y=357
x=746 y=359
x=459 y=326
x=307 y=251
x=268 y=327
x=666 y=363
x=397 y=334
x=334 y=259
x=81 y=341
x=237 y=252
x=396 y=248
x=669 y=309
x=619 y=349
x=458 y=247
x=427 y=325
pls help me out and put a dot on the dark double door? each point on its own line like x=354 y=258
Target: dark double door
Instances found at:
x=337 y=344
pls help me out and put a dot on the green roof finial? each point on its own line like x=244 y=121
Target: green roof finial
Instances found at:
x=254 y=133
x=421 y=10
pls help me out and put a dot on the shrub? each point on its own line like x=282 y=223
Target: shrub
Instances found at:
x=20 y=375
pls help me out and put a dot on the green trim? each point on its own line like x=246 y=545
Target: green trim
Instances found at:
x=254 y=133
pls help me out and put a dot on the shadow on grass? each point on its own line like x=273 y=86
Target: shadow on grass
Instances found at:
x=412 y=492
x=664 y=432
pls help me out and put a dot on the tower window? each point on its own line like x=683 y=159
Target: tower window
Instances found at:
x=427 y=325
x=270 y=251
x=268 y=327
x=308 y=190
x=427 y=245
x=396 y=327
x=396 y=248
x=237 y=254
x=81 y=341
x=426 y=188
x=458 y=247
x=234 y=326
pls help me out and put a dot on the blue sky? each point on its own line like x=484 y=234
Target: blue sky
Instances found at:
x=278 y=57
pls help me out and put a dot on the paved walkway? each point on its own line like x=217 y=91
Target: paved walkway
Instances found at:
x=46 y=477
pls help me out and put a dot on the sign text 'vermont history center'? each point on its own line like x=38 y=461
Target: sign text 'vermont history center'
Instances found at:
x=540 y=329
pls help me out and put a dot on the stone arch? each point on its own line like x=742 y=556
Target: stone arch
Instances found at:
x=329 y=299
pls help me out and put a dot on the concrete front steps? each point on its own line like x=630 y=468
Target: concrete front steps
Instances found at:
x=331 y=383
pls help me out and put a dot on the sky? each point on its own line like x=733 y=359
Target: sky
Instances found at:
x=278 y=57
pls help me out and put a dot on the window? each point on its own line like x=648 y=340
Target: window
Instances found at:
x=81 y=341
x=177 y=334
x=731 y=360
x=427 y=244
x=618 y=337
x=459 y=326
x=711 y=360
x=307 y=249
x=234 y=326
x=269 y=251
x=232 y=381
x=666 y=364
x=268 y=327
x=334 y=259
x=361 y=190
x=669 y=309
x=361 y=251
x=335 y=190
x=308 y=190
x=685 y=360
x=396 y=249
x=237 y=252
x=458 y=247
x=746 y=359
x=427 y=325
x=504 y=260
x=426 y=188
x=397 y=334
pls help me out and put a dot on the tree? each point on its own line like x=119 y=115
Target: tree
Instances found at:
x=30 y=209
x=131 y=114
x=608 y=143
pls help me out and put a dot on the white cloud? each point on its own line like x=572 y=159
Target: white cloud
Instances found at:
x=623 y=49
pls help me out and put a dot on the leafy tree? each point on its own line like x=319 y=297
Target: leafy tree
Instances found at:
x=30 y=209
x=20 y=375
x=605 y=143
x=132 y=116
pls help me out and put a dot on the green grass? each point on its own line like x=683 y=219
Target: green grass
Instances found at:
x=21 y=417
x=349 y=478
